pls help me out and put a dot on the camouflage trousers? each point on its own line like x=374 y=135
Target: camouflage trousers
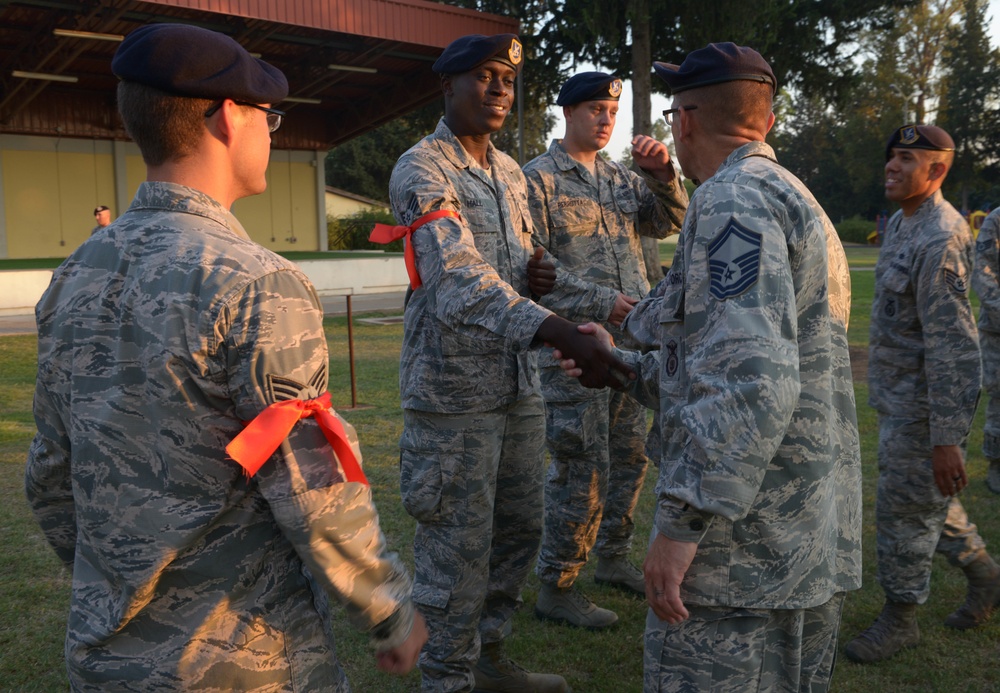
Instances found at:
x=725 y=649
x=473 y=482
x=989 y=344
x=913 y=519
x=594 y=478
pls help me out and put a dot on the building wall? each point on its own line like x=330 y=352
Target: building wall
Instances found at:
x=49 y=187
x=340 y=206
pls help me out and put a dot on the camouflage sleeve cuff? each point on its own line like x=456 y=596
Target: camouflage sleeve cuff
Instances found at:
x=679 y=521
x=949 y=435
x=393 y=631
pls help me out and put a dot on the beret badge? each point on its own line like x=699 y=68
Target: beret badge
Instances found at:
x=908 y=134
x=515 y=52
x=615 y=88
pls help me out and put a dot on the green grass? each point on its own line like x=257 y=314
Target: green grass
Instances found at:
x=34 y=587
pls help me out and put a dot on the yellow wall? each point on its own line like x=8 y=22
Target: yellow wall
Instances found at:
x=49 y=199
x=283 y=217
x=50 y=189
x=339 y=206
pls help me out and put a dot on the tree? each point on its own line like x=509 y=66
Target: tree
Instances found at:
x=970 y=108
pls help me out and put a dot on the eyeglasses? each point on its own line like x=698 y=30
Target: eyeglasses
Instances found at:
x=273 y=114
x=669 y=113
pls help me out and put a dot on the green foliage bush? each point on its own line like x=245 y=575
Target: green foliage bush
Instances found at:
x=855 y=229
x=351 y=232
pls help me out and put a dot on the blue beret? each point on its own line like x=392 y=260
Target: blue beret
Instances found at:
x=589 y=86
x=468 y=52
x=189 y=61
x=714 y=64
x=919 y=137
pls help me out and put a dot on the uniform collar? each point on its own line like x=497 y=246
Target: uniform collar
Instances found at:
x=453 y=149
x=746 y=151
x=172 y=197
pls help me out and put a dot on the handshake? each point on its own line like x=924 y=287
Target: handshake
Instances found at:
x=585 y=351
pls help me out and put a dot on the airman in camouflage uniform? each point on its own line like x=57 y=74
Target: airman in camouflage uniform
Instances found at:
x=924 y=381
x=158 y=339
x=589 y=213
x=757 y=534
x=986 y=283
x=472 y=445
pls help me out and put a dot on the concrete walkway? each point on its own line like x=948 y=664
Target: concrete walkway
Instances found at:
x=332 y=305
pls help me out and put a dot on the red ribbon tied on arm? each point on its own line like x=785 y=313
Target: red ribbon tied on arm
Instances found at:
x=257 y=442
x=385 y=233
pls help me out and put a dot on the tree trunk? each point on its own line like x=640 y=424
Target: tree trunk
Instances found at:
x=642 y=105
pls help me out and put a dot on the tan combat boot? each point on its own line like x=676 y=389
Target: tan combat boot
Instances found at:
x=571 y=607
x=983 y=596
x=621 y=574
x=496 y=673
x=993 y=476
x=895 y=628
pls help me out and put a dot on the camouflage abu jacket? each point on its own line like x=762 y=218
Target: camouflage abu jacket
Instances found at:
x=592 y=227
x=761 y=459
x=923 y=352
x=469 y=329
x=986 y=275
x=157 y=338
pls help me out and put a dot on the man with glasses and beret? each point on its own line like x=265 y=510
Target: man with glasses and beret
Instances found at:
x=757 y=532
x=472 y=448
x=589 y=213
x=924 y=381
x=188 y=468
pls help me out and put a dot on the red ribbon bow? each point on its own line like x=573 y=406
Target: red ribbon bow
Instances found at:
x=257 y=442
x=386 y=233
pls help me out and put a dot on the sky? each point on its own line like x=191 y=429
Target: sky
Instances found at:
x=622 y=136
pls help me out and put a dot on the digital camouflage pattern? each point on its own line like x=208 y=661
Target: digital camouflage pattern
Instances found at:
x=592 y=227
x=158 y=338
x=912 y=517
x=472 y=455
x=923 y=352
x=924 y=380
x=473 y=482
x=789 y=645
x=469 y=328
x=761 y=459
x=986 y=283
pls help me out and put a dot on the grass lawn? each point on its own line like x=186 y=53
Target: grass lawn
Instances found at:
x=34 y=587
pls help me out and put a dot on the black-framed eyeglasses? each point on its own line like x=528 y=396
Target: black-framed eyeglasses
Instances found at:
x=669 y=113
x=274 y=116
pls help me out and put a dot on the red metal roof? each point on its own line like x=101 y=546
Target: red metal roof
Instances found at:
x=396 y=41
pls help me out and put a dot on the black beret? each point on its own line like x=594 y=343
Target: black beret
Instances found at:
x=189 y=61
x=714 y=64
x=919 y=137
x=589 y=86
x=468 y=52
x=100 y=208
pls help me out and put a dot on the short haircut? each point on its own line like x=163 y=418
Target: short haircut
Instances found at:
x=165 y=127
x=731 y=107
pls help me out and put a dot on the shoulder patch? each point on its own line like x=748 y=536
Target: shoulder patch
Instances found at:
x=733 y=260
x=955 y=281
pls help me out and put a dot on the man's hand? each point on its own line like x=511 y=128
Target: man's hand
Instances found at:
x=949 y=469
x=623 y=306
x=541 y=273
x=588 y=347
x=667 y=561
x=400 y=659
x=652 y=156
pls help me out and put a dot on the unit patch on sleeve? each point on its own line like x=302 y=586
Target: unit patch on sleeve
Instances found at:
x=733 y=260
